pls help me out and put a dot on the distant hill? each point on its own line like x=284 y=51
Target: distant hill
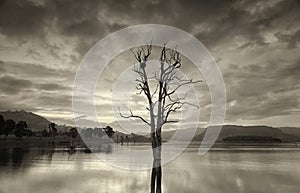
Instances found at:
x=137 y=138
x=34 y=121
x=261 y=131
x=167 y=135
x=292 y=131
x=286 y=134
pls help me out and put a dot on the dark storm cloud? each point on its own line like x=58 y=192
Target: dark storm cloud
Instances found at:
x=259 y=90
x=291 y=39
x=54 y=100
x=52 y=87
x=176 y=13
x=35 y=71
x=21 y=19
x=263 y=78
x=2 y=70
x=251 y=107
x=231 y=25
x=75 y=17
x=54 y=49
x=6 y=104
x=34 y=54
x=237 y=20
x=11 y=85
x=94 y=19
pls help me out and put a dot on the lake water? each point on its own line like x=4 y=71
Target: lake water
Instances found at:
x=59 y=171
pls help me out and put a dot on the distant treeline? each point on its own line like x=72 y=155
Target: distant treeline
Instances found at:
x=99 y=132
x=252 y=138
x=9 y=126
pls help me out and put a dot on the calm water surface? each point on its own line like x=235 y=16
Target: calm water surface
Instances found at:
x=49 y=171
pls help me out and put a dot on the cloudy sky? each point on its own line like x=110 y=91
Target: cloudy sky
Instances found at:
x=255 y=43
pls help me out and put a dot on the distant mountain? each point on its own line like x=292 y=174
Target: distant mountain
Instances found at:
x=34 y=121
x=261 y=131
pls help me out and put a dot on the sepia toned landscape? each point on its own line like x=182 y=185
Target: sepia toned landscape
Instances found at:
x=149 y=96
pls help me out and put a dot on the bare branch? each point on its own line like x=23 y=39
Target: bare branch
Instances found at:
x=171 y=121
x=163 y=55
x=141 y=54
x=133 y=116
x=182 y=84
x=137 y=54
x=174 y=58
x=148 y=50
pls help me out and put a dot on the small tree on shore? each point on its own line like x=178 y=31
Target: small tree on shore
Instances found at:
x=2 y=124
x=20 y=129
x=9 y=126
x=53 y=132
x=73 y=134
x=109 y=131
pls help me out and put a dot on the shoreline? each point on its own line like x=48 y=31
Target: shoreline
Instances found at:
x=65 y=142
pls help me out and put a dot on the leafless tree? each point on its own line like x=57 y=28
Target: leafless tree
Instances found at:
x=162 y=98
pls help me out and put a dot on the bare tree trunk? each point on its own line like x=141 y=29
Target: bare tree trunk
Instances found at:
x=156 y=175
